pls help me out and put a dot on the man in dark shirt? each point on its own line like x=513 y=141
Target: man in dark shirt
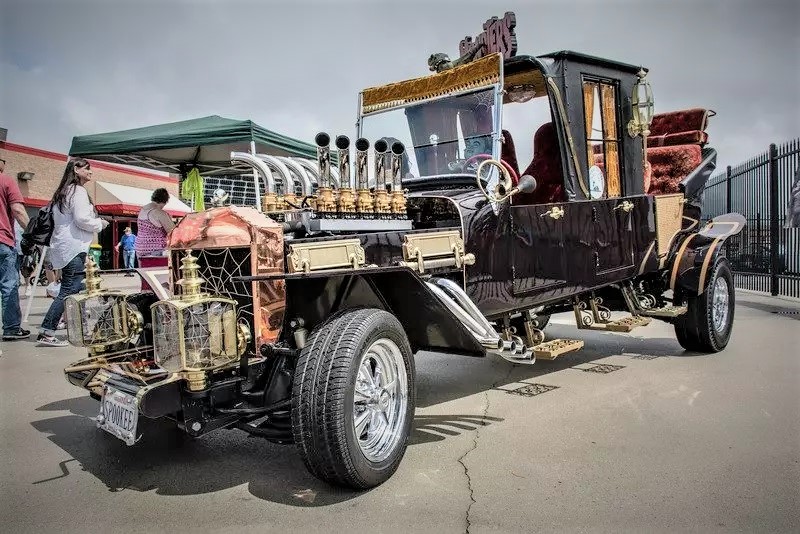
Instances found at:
x=12 y=206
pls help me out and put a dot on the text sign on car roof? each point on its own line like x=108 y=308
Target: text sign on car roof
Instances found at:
x=497 y=36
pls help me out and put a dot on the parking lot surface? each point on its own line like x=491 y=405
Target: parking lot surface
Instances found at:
x=631 y=434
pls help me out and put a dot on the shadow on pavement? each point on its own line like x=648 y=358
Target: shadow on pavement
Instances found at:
x=168 y=462
x=443 y=378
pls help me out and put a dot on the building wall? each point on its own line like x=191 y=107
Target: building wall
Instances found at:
x=48 y=168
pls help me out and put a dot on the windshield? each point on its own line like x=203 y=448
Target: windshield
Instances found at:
x=441 y=135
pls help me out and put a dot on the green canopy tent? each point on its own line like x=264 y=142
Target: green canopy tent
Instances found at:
x=205 y=143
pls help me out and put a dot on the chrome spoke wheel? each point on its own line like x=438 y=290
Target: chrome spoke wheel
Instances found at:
x=719 y=304
x=380 y=400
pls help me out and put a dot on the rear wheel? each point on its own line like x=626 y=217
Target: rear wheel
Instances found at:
x=353 y=398
x=707 y=325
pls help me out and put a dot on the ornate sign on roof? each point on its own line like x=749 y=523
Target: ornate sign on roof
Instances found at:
x=497 y=36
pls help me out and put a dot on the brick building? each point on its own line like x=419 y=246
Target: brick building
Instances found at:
x=117 y=192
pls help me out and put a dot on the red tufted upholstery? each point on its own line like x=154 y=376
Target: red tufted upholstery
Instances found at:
x=545 y=168
x=682 y=127
x=508 y=152
x=670 y=165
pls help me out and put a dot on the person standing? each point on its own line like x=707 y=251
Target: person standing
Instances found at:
x=75 y=223
x=12 y=208
x=128 y=243
x=154 y=224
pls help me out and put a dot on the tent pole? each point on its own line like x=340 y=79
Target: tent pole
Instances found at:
x=256 y=178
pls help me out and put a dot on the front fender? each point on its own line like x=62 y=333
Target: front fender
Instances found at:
x=696 y=254
x=398 y=290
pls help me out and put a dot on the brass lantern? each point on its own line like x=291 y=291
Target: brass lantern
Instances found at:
x=642 y=102
x=99 y=318
x=196 y=332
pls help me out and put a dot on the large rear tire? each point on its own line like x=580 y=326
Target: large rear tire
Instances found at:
x=707 y=325
x=353 y=398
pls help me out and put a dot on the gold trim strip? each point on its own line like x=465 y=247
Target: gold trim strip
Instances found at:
x=473 y=75
x=677 y=264
x=646 y=255
x=704 y=268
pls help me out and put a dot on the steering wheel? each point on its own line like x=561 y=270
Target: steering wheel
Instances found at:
x=511 y=171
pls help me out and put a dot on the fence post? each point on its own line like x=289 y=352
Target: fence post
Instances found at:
x=773 y=219
x=728 y=206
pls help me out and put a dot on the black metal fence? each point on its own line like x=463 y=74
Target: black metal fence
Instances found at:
x=766 y=255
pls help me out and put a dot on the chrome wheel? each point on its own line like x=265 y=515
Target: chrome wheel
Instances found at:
x=380 y=400
x=719 y=305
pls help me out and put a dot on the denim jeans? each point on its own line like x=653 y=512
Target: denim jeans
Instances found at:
x=128 y=256
x=72 y=275
x=9 y=289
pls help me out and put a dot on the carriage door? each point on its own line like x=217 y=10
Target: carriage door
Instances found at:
x=537 y=248
x=611 y=211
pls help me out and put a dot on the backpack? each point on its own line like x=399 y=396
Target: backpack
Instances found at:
x=39 y=230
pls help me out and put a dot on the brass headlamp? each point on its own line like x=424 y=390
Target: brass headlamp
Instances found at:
x=100 y=318
x=196 y=332
x=642 y=102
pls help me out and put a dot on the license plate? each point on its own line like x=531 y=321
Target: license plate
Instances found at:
x=119 y=415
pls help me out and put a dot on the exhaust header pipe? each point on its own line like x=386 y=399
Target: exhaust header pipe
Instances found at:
x=323 y=141
x=396 y=168
x=381 y=151
x=362 y=163
x=259 y=165
x=343 y=153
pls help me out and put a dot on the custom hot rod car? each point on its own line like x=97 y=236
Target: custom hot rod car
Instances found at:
x=297 y=319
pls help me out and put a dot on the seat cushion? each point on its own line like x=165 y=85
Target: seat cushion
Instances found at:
x=681 y=138
x=670 y=165
x=687 y=120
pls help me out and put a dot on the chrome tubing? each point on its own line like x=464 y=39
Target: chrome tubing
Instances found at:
x=491 y=342
x=259 y=165
x=323 y=142
x=313 y=171
x=463 y=300
x=343 y=153
x=362 y=163
x=381 y=151
x=288 y=177
x=300 y=171
x=462 y=306
x=396 y=167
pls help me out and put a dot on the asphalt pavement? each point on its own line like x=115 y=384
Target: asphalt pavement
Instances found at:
x=631 y=434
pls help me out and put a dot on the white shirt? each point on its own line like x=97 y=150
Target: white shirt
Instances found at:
x=74 y=230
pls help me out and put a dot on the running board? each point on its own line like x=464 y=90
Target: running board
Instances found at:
x=550 y=350
x=666 y=311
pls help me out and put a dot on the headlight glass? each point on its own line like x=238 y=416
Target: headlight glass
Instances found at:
x=210 y=334
x=166 y=336
x=96 y=320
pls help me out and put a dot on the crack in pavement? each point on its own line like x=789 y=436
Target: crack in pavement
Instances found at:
x=475 y=446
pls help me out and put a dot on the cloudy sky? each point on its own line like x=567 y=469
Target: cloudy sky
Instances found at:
x=73 y=67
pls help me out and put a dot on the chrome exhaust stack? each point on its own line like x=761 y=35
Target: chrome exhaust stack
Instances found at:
x=382 y=205
x=326 y=202
x=269 y=201
x=458 y=302
x=398 y=203
x=346 y=203
x=364 y=202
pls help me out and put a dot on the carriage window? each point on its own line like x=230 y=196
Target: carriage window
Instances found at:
x=602 y=138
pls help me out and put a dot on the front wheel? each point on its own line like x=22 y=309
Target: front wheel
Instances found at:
x=353 y=398
x=707 y=324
